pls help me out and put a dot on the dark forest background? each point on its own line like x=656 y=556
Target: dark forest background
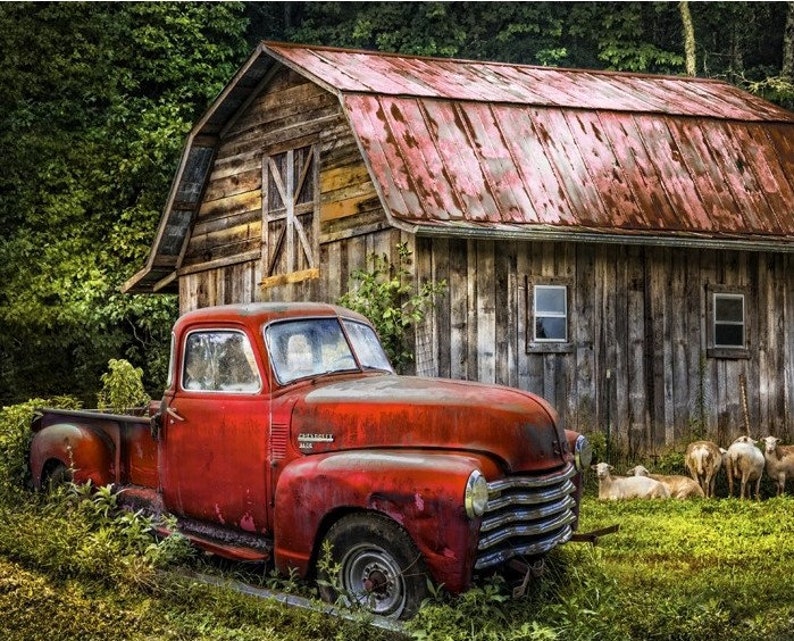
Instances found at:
x=96 y=100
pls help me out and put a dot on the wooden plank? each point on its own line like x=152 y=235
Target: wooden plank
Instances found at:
x=458 y=309
x=237 y=183
x=343 y=176
x=238 y=203
x=636 y=374
x=344 y=208
x=441 y=308
x=486 y=312
x=426 y=358
x=286 y=279
x=503 y=313
x=583 y=326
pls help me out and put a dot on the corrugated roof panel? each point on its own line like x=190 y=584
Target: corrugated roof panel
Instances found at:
x=750 y=205
x=390 y=74
x=642 y=180
x=539 y=177
x=699 y=163
x=606 y=169
x=461 y=167
x=762 y=145
x=382 y=155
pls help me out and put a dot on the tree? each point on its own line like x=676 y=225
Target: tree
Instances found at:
x=689 y=38
x=98 y=100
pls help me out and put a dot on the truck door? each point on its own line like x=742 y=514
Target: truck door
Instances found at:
x=214 y=445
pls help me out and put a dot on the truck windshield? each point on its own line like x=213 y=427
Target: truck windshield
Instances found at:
x=318 y=346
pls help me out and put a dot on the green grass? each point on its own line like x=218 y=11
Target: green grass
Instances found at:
x=72 y=568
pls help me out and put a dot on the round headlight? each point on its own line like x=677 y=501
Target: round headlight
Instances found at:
x=475 y=499
x=583 y=453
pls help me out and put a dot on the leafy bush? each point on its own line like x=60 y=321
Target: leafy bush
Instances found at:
x=122 y=387
x=385 y=294
x=15 y=437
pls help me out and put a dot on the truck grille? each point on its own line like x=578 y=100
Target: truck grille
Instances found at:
x=526 y=516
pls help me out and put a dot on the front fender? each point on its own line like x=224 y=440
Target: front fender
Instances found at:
x=90 y=453
x=420 y=490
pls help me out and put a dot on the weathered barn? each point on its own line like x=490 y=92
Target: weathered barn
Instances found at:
x=618 y=243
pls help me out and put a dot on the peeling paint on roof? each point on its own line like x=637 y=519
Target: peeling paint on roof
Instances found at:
x=461 y=147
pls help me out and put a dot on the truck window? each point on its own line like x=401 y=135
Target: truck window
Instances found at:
x=367 y=346
x=308 y=348
x=219 y=361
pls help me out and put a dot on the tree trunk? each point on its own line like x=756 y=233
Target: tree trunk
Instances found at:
x=787 y=71
x=689 y=38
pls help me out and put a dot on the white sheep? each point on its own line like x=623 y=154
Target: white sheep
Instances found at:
x=746 y=462
x=627 y=487
x=779 y=461
x=680 y=487
x=703 y=459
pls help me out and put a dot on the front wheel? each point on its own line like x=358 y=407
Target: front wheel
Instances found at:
x=379 y=567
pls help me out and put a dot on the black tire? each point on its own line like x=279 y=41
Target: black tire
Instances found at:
x=55 y=475
x=380 y=568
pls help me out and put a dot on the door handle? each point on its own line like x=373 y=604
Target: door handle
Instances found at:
x=174 y=414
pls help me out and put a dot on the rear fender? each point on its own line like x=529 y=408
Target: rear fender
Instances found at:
x=89 y=453
x=423 y=492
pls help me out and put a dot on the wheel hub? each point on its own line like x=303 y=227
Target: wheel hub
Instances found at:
x=376 y=581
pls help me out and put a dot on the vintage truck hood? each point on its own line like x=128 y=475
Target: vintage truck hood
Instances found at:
x=390 y=411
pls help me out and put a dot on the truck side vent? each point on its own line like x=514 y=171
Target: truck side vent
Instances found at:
x=526 y=516
x=279 y=436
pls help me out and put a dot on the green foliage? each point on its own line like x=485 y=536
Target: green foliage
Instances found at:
x=385 y=294
x=15 y=437
x=122 y=387
x=97 y=101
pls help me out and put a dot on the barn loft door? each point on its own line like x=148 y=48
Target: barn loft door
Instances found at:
x=290 y=216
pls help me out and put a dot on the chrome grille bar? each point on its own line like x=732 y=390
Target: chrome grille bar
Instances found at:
x=526 y=516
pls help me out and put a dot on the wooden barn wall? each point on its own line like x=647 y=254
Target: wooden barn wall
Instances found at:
x=637 y=312
x=222 y=262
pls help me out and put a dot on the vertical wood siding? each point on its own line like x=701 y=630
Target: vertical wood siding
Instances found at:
x=639 y=313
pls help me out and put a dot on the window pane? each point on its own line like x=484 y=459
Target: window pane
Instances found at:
x=219 y=361
x=728 y=335
x=729 y=309
x=367 y=346
x=550 y=328
x=549 y=299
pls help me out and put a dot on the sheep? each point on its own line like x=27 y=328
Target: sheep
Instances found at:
x=627 y=487
x=779 y=461
x=680 y=487
x=746 y=462
x=703 y=459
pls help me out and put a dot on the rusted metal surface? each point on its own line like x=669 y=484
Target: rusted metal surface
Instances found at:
x=454 y=142
x=466 y=148
x=285 y=458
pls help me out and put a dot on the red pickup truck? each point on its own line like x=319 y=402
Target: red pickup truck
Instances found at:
x=283 y=426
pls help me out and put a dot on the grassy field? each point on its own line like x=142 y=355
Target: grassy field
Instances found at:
x=73 y=568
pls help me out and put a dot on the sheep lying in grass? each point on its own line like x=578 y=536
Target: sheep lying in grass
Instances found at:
x=680 y=487
x=746 y=462
x=627 y=487
x=703 y=459
x=779 y=461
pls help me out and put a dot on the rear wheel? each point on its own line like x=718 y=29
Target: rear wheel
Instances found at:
x=55 y=475
x=379 y=567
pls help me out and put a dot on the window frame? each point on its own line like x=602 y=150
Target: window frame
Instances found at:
x=548 y=345
x=251 y=358
x=714 y=350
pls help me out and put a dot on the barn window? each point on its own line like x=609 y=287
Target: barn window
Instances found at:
x=727 y=323
x=551 y=313
x=728 y=320
x=290 y=218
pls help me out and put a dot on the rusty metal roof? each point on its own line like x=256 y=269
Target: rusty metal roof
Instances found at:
x=455 y=143
x=473 y=148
